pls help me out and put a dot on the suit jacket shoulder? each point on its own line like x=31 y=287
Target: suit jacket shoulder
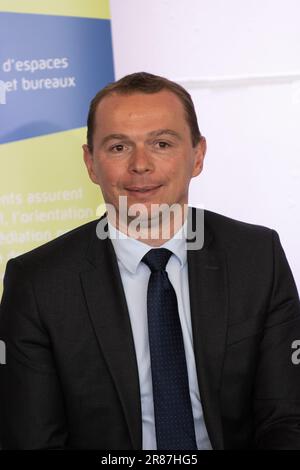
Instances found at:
x=67 y=251
x=70 y=250
x=228 y=231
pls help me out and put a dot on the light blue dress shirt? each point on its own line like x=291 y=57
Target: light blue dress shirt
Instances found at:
x=135 y=277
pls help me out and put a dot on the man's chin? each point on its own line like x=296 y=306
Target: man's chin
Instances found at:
x=147 y=212
x=144 y=216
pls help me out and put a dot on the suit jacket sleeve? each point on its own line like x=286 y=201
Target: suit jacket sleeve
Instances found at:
x=31 y=401
x=277 y=388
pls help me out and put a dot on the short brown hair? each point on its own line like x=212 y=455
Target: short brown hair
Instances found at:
x=143 y=82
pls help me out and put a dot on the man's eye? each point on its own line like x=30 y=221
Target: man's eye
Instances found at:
x=117 y=148
x=162 y=145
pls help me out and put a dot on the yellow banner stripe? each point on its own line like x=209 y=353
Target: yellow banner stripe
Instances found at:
x=82 y=8
x=33 y=167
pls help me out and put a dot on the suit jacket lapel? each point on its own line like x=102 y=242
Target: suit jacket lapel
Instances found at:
x=108 y=312
x=109 y=315
x=209 y=310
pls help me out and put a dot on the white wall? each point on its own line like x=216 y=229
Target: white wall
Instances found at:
x=240 y=60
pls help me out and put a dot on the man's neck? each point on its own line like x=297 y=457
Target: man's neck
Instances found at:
x=153 y=231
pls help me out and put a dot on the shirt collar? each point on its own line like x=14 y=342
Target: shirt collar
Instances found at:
x=130 y=251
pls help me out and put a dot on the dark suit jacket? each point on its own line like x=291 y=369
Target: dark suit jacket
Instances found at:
x=71 y=379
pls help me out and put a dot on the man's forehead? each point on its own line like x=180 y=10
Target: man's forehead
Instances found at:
x=161 y=99
x=140 y=117
x=138 y=114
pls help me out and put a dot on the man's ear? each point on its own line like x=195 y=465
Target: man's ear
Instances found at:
x=89 y=162
x=200 y=151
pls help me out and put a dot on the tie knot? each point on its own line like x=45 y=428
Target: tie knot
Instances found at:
x=157 y=259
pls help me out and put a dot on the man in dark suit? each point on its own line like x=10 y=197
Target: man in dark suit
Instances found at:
x=140 y=342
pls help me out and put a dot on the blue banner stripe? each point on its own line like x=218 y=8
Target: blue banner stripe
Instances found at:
x=51 y=66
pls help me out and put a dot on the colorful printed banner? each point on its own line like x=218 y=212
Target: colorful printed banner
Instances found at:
x=52 y=62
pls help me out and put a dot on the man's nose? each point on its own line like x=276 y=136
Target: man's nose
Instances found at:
x=140 y=160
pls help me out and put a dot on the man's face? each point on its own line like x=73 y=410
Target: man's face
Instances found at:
x=142 y=149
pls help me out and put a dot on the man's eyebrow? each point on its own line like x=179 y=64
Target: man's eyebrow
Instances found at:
x=114 y=137
x=160 y=132
x=156 y=133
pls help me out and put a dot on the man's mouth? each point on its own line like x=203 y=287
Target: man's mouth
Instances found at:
x=142 y=189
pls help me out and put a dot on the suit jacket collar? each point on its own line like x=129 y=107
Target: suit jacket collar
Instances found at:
x=209 y=313
x=107 y=307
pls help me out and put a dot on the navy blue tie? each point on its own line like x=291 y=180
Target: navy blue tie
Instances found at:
x=174 y=422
